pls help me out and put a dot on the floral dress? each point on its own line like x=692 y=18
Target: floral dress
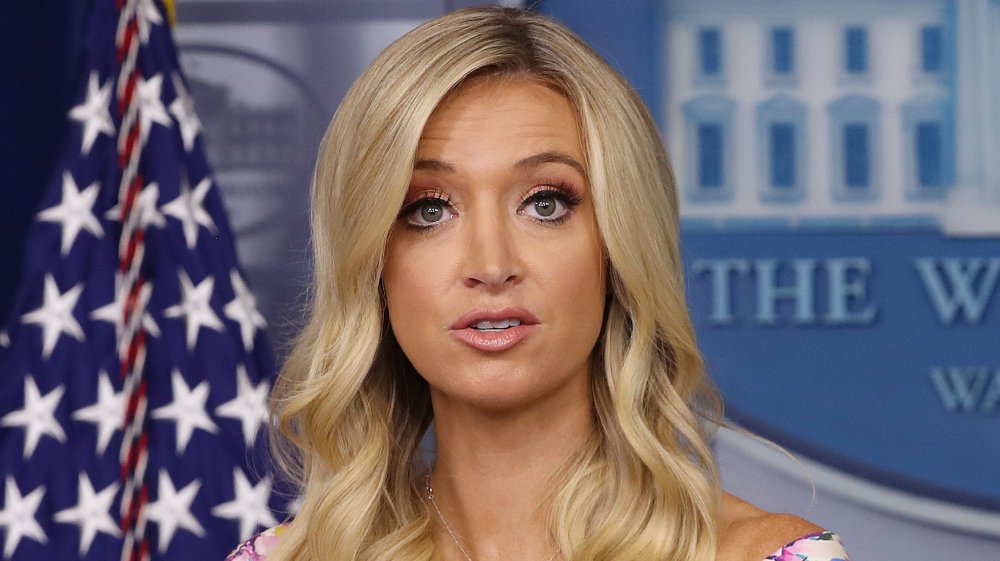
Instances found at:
x=257 y=547
x=821 y=546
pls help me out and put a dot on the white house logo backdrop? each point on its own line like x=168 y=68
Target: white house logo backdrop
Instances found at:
x=839 y=168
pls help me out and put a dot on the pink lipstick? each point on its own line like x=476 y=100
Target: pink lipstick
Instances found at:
x=494 y=330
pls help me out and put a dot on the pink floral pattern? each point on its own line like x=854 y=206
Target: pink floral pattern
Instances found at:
x=257 y=547
x=821 y=546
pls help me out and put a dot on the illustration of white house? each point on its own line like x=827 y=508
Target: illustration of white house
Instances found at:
x=857 y=113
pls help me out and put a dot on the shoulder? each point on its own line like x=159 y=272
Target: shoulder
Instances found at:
x=258 y=546
x=748 y=533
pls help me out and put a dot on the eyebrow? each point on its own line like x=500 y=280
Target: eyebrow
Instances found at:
x=529 y=162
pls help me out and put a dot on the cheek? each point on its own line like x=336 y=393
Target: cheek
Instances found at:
x=401 y=281
x=413 y=283
x=591 y=284
x=574 y=278
x=586 y=259
x=395 y=282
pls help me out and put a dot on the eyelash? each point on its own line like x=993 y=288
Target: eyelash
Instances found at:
x=437 y=197
x=556 y=190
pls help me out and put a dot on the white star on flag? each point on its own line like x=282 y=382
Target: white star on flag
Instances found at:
x=94 y=113
x=146 y=16
x=107 y=412
x=187 y=410
x=189 y=208
x=183 y=109
x=133 y=326
x=114 y=311
x=38 y=416
x=92 y=513
x=55 y=316
x=74 y=212
x=18 y=516
x=172 y=509
x=243 y=310
x=195 y=307
x=149 y=214
x=249 y=405
x=249 y=505
x=151 y=109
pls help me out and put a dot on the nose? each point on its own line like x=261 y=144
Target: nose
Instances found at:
x=492 y=258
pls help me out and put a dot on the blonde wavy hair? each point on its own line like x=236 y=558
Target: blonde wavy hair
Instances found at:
x=350 y=410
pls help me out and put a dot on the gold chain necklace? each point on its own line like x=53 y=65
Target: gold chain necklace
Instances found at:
x=444 y=521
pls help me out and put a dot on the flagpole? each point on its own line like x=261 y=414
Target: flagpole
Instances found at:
x=121 y=218
x=130 y=287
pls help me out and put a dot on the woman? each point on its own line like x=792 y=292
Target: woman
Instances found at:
x=495 y=234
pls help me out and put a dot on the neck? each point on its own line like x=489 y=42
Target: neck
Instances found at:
x=492 y=477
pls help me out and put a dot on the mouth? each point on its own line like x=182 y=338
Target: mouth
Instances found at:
x=494 y=330
x=488 y=326
x=491 y=319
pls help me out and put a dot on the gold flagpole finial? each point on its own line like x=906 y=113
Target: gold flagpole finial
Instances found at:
x=171 y=12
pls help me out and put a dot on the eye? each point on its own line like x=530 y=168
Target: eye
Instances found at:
x=548 y=205
x=427 y=212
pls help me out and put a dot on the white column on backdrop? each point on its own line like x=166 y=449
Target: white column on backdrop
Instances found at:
x=974 y=207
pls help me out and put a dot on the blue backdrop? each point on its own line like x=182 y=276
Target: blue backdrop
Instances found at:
x=41 y=45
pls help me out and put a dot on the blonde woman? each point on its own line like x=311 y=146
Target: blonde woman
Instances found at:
x=495 y=232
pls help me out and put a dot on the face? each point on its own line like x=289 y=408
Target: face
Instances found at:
x=495 y=272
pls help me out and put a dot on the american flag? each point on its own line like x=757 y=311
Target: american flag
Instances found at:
x=134 y=369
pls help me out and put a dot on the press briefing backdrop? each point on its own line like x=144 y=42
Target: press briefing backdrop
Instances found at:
x=841 y=206
x=837 y=165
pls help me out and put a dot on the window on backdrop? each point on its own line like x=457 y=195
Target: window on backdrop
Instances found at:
x=929 y=144
x=854 y=126
x=928 y=151
x=707 y=167
x=782 y=144
x=856 y=50
x=931 y=49
x=782 y=51
x=781 y=147
x=710 y=169
x=857 y=156
x=710 y=52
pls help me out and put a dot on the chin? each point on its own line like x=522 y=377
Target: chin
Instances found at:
x=503 y=390
x=500 y=403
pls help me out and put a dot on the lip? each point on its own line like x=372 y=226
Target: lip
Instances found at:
x=494 y=314
x=498 y=341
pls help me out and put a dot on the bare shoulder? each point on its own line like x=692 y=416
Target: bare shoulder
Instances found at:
x=748 y=533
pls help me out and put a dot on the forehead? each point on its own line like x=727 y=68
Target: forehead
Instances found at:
x=502 y=116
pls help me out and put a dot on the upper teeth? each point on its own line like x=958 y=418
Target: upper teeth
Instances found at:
x=500 y=324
